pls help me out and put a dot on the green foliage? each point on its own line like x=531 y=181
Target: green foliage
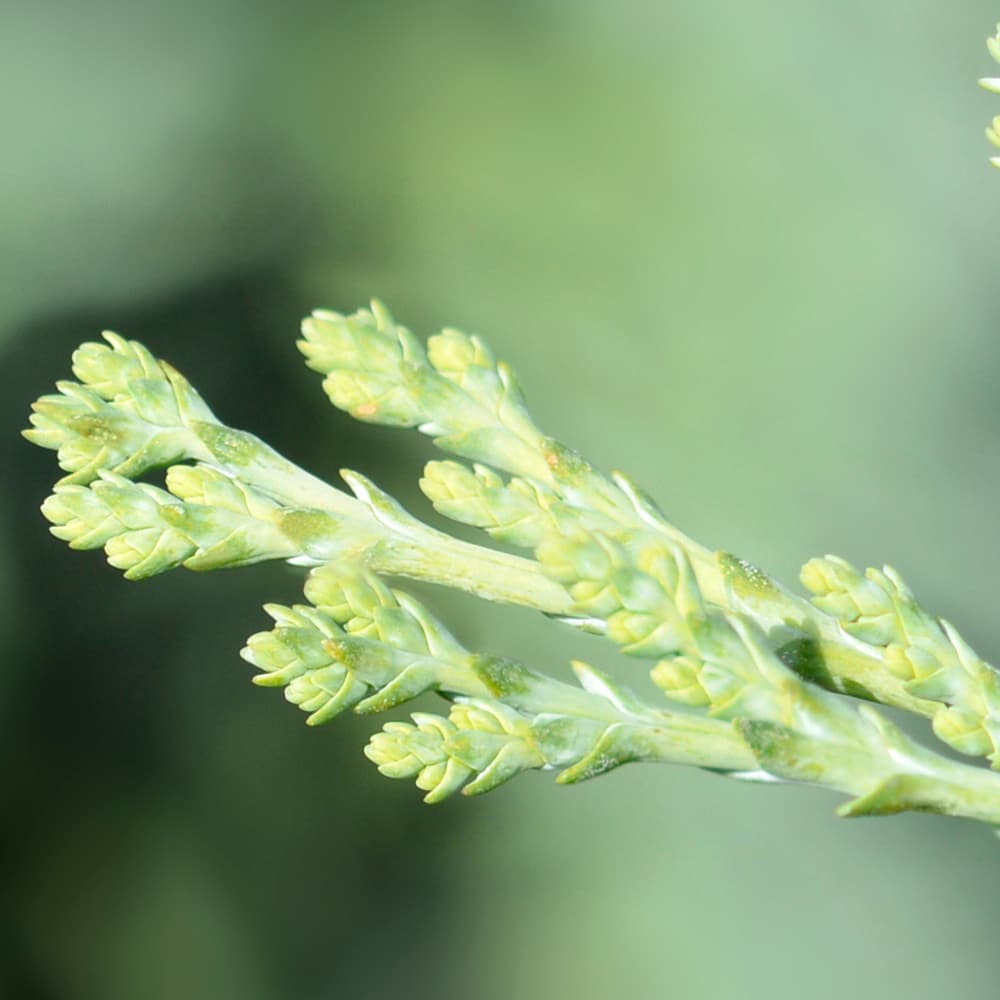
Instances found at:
x=377 y=371
x=925 y=652
x=601 y=557
x=759 y=677
x=992 y=84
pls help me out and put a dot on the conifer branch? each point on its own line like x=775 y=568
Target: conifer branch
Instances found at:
x=560 y=495
x=362 y=646
x=757 y=673
x=604 y=558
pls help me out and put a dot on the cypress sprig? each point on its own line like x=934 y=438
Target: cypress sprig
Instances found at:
x=482 y=744
x=604 y=558
x=759 y=672
x=496 y=741
x=800 y=732
x=520 y=512
x=128 y=413
x=479 y=746
x=365 y=647
x=604 y=540
x=145 y=530
x=925 y=652
x=453 y=390
x=131 y=413
x=360 y=646
x=92 y=435
x=566 y=504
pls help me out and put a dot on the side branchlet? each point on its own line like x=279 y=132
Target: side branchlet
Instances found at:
x=598 y=554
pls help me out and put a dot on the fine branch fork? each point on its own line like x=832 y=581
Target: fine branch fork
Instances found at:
x=760 y=683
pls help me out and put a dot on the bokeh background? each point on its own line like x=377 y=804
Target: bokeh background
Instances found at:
x=749 y=256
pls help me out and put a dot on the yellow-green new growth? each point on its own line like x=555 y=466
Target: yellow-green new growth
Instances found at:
x=925 y=652
x=482 y=741
x=759 y=673
x=992 y=84
x=454 y=390
x=740 y=654
x=362 y=646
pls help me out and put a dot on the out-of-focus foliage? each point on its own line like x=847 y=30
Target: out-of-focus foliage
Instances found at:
x=992 y=84
x=765 y=243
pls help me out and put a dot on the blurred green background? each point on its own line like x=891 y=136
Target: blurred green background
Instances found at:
x=749 y=259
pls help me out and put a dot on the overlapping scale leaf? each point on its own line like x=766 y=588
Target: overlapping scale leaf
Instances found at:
x=145 y=530
x=128 y=413
x=455 y=391
x=360 y=646
x=480 y=746
x=630 y=590
x=925 y=652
